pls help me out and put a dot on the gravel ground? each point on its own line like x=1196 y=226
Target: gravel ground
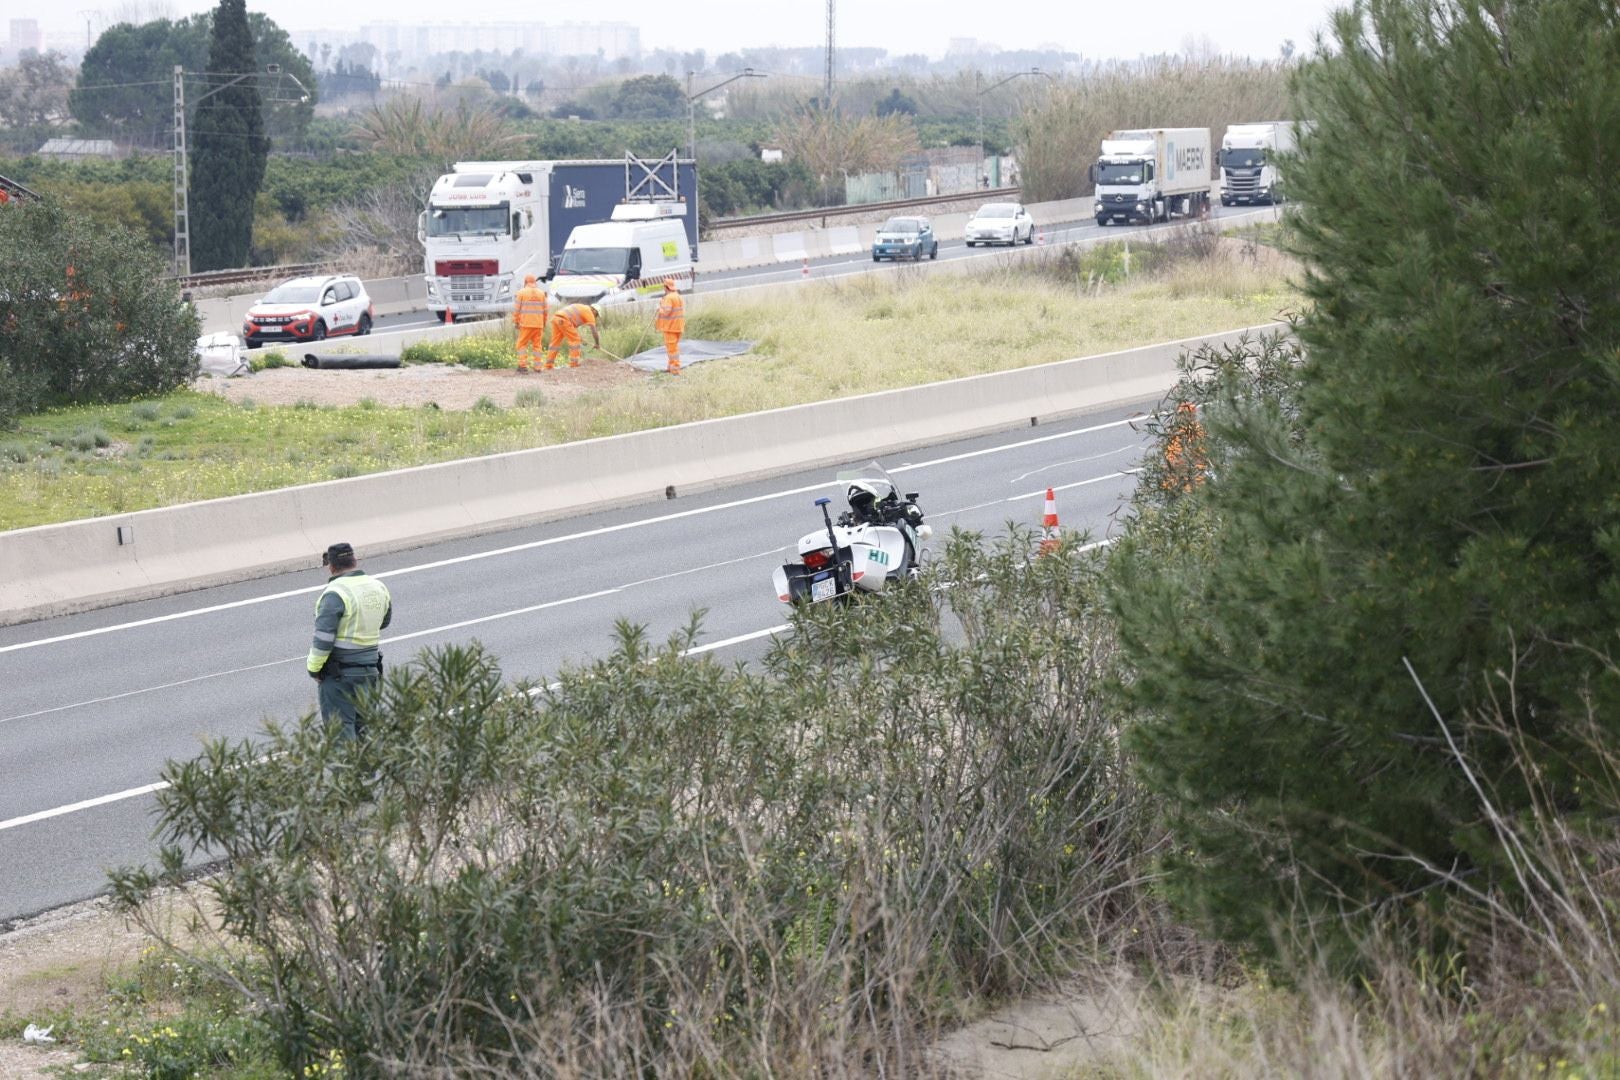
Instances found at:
x=450 y=387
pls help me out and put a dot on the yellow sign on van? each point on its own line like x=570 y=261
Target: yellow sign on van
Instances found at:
x=670 y=249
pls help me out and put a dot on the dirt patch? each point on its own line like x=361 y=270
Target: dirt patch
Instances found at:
x=1044 y=1038
x=56 y=961
x=448 y=386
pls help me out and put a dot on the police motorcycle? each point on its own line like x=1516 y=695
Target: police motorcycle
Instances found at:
x=874 y=542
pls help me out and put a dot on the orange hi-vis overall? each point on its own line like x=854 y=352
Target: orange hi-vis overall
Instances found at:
x=529 y=312
x=671 y=322
x=565 y=324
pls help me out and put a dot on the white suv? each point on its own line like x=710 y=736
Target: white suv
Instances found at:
x=309 y=309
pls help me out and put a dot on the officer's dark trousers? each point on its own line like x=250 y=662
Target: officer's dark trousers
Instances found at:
x=337 y=697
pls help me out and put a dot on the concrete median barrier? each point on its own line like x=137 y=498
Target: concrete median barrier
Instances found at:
x=75 y=566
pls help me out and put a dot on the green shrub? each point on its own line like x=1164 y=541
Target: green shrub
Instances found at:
x=665 y=865
x=483 y=351
x=89 y=314
x=270 y=358
x=528 y=399
x=146 y=411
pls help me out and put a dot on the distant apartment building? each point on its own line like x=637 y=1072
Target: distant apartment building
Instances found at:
x=25 y=36
x=610 y=41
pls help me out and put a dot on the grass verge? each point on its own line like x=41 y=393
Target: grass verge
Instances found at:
x=810 y=345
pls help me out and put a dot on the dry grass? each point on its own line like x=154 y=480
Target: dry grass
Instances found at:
x=824 y=341
x=907 y=329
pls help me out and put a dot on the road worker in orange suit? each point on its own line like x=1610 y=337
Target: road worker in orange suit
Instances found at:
x=529 y=313
x=565 y=324
x=671 y=322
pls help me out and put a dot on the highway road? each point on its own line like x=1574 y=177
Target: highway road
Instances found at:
x=951 y=249
x=95 y=703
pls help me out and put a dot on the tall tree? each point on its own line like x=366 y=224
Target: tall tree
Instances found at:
x=649 y=97
x=229 y=148
x=125 y=88
x=1430 y=515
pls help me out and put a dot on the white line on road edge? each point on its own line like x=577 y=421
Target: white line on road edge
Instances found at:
x=533 y=544
x=87 y=804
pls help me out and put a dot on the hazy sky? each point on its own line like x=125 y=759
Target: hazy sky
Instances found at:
x=1089 y=27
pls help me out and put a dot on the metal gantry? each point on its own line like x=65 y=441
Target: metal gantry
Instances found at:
x=182 y=214
x=832 y=38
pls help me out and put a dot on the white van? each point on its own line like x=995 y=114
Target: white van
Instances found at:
x=626 y=259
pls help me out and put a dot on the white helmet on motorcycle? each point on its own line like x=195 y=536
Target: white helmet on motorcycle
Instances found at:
x=863 y=499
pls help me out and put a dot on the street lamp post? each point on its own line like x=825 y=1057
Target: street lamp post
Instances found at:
x=980 y=101
x=691 y=105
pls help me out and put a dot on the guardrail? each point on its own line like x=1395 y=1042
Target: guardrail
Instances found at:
x=984 y=194
x=247 y=273
x=75 y=566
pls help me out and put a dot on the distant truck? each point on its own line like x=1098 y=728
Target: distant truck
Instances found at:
x=1152 y=174
x=1249 y=161
x=490 y=223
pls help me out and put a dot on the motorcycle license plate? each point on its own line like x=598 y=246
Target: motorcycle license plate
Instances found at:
x=825 y=589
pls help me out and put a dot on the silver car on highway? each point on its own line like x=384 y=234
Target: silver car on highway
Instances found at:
x=1000 y=223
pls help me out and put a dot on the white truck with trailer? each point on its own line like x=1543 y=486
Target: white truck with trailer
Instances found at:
x=1153 y=174
x=490 y=223
x=1249 y=161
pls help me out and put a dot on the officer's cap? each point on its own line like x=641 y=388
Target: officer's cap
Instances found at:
x=337 y=553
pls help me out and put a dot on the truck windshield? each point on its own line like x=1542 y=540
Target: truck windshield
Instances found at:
x=594 y=261
x=1246 y=158
x=1111 y=173
x=468 y=220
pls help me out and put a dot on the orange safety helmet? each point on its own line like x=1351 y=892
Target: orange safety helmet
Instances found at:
x=530 y=279
x=670 y=285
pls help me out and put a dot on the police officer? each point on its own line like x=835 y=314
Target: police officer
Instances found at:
x=350 y=615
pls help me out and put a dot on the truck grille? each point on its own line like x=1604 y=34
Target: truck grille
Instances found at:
x=468 y=289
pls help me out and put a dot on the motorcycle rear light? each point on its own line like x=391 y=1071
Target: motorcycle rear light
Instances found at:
x=815 y=560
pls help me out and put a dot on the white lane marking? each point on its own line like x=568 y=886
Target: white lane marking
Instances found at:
x=146 y=690
x=1041 y=494
x=87 y=804
x=403 y=637
x=502 y=615
x=1073 y=461
x=533 y=544
x=148 y=789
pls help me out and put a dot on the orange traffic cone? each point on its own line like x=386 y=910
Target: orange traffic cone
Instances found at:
x=1049 y=524
x=449 y=316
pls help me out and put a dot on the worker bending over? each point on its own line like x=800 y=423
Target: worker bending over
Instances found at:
x=565 y=324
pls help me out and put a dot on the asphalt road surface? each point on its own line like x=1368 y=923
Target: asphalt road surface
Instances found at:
x=95 y=703
x=951 y=248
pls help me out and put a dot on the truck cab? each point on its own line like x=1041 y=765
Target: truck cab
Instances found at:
x=626 y=258
x=1151 y=175
x=480 y=236
x=1249 y=161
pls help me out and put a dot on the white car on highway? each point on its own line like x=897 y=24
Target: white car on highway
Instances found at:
x=1000 y=223
x=309 y=309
